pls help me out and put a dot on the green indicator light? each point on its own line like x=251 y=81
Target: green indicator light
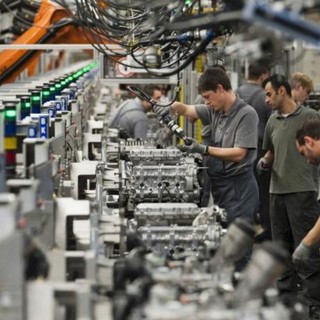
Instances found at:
x=58 y=85
x=52 y=89
x=63 y=82
x=25 y=102
x=10 y=113
x=70 y=78
x=36 y=98
x=46 y=93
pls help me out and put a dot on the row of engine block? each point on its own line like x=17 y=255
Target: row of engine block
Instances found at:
x=157 y=191
x=115 y=230
x=175 y=260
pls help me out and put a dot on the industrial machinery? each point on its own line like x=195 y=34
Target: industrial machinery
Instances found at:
x=115 y=224
x=40 y=23
x=99 y=226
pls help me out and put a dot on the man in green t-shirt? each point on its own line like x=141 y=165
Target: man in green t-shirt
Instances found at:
x=293 y=190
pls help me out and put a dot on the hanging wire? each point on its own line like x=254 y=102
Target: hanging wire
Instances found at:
x=178 y=31
x=128 y=28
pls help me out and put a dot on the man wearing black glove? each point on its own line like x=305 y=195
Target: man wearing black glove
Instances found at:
x=232 y=149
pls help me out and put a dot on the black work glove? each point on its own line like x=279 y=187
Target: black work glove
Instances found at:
x=192 y=146
x=162 y=111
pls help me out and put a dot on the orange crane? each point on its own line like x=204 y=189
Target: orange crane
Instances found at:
x=52 y=25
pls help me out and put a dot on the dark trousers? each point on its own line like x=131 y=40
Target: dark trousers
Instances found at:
x=292 y=216
x=239 y=196
x=264 y=208
x=263 y=181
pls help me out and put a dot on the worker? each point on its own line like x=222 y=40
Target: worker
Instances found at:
x=302 y=86
x=293 y=191
x=234 y=135
x=252 y=92
x=206 y=198
x=131 y=116
x=307 y=252
x=308 y=145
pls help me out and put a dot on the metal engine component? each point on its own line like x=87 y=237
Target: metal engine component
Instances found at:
x=165 y=183
x=148 y=174
x=154 y=156
x=184 y=290
x=164 y=239
x=164 y=214
x=115 y=147
x=268 y=261
x=238 y=239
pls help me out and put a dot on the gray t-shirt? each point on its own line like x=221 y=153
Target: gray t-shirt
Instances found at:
x=237 y=128
x=131 y=117
x=290 y=171
x=255 y=96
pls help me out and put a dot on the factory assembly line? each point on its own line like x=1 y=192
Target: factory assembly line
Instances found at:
x=96 y=224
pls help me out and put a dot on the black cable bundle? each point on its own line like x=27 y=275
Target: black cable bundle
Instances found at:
x=141 y=27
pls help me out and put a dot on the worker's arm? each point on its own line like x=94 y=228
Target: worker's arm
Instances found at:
x=187 y=110
x=313 y=236
x=228 y=154
x=304 y=250
x=269 y=156
x=235 y=154
x=265 y=163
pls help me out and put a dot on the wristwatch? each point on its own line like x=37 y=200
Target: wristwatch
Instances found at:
x=206 y=151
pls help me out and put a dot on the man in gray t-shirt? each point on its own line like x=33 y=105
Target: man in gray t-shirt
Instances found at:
x=253 y=93
x=234 y=135
x=131 y=116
